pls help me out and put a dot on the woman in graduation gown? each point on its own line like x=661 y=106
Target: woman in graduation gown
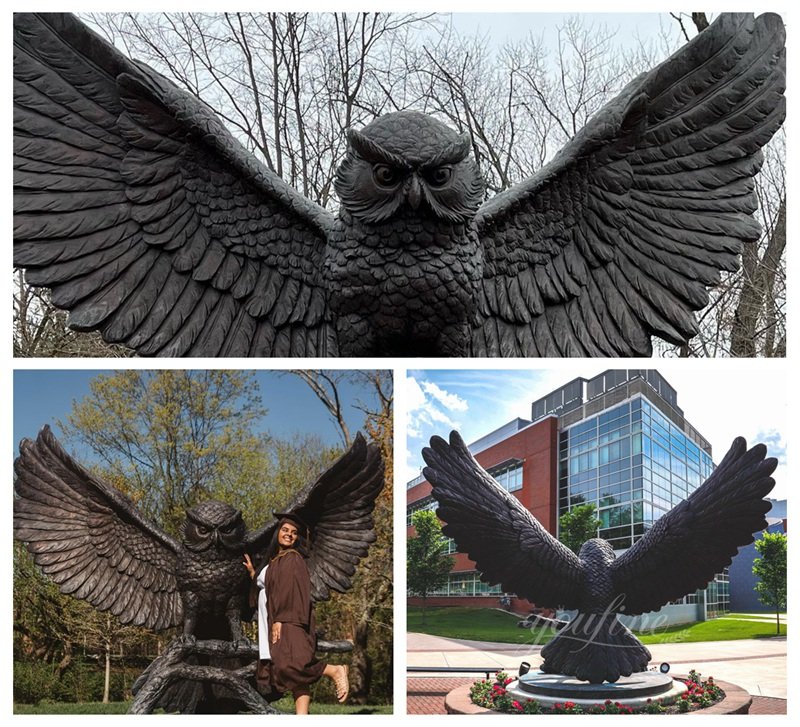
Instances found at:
x=285 y=587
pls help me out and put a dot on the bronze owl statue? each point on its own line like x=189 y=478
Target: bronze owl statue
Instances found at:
x=679 y=554
x=93 y=542
x=153 y=225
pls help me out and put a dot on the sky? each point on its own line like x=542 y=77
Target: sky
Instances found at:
x=628 y=28
x=45 y=396
x=721 y=399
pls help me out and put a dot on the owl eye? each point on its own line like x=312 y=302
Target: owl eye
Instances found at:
x=385 y=176
x=202 y=530
x=438 y=176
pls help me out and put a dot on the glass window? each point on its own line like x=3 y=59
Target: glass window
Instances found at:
x=427 y=503
x=615 y=516
x=509 y=477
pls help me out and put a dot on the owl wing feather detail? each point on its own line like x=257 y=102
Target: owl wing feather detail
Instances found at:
x=148 y=220
x=91 y=540
x=619 y=236
x=509 y=546
x=338 y=510
x=699 y=536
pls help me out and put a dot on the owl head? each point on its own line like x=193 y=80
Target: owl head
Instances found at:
x=408 y=161
x=213 y=524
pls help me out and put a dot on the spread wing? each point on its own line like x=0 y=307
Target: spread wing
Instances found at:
x=91 y=540
x=619 y=236
x=700 y=536
x=338 y=509
x=147 y=219
x=509 y=546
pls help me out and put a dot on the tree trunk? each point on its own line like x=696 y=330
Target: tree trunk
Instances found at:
x=107 y=683
x=757 y=296
x=66 y=660
x=360 y=664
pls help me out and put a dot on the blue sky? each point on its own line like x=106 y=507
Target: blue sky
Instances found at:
x=721 y=399
x=44 y=396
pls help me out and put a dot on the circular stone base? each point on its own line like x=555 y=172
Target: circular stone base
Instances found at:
x=735 y=701
x=632 y=691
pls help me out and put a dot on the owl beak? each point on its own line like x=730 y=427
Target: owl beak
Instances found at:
x=414 y=193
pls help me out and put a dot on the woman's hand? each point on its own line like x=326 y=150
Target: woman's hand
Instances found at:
x=276 y=632
x=247 y=563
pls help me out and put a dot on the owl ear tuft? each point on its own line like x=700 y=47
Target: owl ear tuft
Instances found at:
x=372 y=152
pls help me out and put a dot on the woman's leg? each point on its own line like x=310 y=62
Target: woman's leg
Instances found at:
x=301 y=703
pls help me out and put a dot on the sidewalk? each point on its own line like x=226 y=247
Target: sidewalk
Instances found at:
x=757 y=665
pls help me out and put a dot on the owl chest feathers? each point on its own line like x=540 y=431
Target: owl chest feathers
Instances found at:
x=407 y=268
x=212 y=574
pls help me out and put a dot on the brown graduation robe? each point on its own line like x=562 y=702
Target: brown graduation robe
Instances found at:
x=294 y=664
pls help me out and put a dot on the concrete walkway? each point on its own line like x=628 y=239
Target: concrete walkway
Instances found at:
x=757 y=665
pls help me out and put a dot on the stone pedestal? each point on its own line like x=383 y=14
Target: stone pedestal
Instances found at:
x=735 y=701
x=633 y=691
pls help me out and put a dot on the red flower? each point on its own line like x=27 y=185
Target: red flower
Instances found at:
x=516 y=705
x=569 y=705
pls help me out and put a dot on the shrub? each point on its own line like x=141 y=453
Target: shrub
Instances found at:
x=33 y=681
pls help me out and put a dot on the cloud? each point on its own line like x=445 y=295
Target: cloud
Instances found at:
x=414 y=394
x=775 y=441
x=429 y=404
x=452 y=402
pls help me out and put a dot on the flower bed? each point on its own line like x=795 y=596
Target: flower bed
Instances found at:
x=700 y=694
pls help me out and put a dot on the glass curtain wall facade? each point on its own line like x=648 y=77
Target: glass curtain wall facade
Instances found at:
x=633 y=464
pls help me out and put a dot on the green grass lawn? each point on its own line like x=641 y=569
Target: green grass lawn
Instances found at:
x=721 y=629
x=72 y=708
x=475 y=624
x=478 y=624
x=285 y=705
